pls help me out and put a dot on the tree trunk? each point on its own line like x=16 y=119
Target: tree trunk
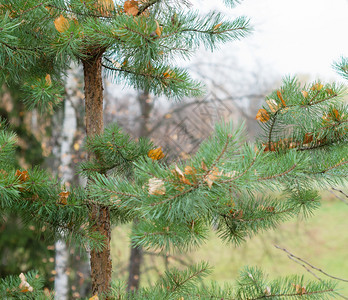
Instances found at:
x=100 y=260
x=135 y=261
x=136 y=255
x=61 y=281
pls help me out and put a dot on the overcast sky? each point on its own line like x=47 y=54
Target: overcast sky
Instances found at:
x=293 y=36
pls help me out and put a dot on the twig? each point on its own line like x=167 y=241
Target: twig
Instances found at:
x=343 y=193
x=277 y=175
x=308 y=264
x=338 y=197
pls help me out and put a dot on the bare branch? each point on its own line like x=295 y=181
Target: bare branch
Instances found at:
x=308 y=264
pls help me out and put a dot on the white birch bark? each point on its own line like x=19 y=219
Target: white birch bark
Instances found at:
x=61 y=283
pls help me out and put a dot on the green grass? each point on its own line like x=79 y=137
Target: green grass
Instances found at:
x=321 y=240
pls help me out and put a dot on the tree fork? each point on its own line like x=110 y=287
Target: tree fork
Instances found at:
x=101 y=266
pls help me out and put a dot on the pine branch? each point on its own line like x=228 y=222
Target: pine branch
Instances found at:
x=278 y=175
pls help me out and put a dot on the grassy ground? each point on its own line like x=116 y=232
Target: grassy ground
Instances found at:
x=321 y=240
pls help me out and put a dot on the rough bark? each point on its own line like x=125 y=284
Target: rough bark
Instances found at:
x=136 y=255
x=100 y=260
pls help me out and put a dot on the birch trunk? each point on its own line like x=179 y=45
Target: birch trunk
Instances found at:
x=61 y=283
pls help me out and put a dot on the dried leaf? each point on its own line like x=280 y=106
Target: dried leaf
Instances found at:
x=189 y=170
x=156 y=186
x=212 y=176
x=22 y=176
x=63 y=198
x=330 y=92
x=217 y=26
x=336 y=113
x=305 y=94
x=48 y=79
x=181 y=175
x=95 y=297
x=131 y=7
x=308 y=138
x=105 y=7
x=262 y=115
x=168 y=74
x=267 y=291
x=317 y=87
x=280 y=96
x=156 y=154
x=300 y=290
x=204 y=167
x=273 y=105
x=272 y=147
x=158 y=29
x=24 y=285
x=61 y=24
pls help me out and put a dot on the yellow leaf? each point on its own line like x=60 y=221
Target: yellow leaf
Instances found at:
x=273 y=105
x=61 y=24
x=156 y=154
x=131 y=7
x=156 y=186
x=95 y=297
x=262 y=115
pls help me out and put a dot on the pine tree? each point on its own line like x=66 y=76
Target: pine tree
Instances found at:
x=137 y=42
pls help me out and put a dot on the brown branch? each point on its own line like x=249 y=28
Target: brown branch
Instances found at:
x=200 y=31
x=79 y=13
x=335 y=166
x=322 y=100
x=178 y=284
x=146 y=6
x=291 y=294
x=310 y=101
x=271 y=130
x=122 y=69
x=278 y=175
x=273 y=213
x=240 y=175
